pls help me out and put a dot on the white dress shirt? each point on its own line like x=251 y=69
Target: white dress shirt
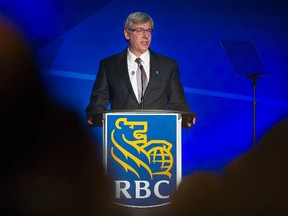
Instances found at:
x=133 y=67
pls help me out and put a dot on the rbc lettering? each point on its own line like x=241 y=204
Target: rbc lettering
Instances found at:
x=143 y=189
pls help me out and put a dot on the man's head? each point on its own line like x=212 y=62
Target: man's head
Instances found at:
x=138 y=29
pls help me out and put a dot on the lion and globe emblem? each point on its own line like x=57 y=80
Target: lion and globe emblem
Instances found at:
x=134 y=152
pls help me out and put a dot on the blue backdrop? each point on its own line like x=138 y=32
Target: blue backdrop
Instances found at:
x=69 y=37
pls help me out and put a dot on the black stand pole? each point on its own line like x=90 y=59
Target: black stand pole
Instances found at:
x=254 y=82
x=245 y=60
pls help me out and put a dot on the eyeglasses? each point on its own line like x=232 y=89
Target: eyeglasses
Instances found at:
x=142 y=31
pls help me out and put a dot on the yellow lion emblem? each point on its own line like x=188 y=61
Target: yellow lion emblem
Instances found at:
x=156 y=152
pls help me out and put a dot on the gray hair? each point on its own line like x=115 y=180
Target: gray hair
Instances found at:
x=138 y=18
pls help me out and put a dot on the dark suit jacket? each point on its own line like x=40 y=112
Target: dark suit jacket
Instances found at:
x=112 y=85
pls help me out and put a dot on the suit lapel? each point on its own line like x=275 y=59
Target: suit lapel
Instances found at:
x=124 y=74
x=154 y=71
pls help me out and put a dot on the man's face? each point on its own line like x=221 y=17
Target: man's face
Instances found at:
x=139 y=41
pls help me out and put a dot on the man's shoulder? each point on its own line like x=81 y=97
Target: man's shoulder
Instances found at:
x=115 y=56
x=161 y=57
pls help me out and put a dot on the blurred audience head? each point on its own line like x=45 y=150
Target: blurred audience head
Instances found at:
x=253 y=184
x=48 y=163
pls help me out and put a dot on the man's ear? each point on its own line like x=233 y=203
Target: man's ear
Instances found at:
x=126 y=34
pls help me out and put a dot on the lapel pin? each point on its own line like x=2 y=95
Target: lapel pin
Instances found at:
x=157 y=72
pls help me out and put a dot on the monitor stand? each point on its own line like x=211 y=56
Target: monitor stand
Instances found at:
x=246 y=62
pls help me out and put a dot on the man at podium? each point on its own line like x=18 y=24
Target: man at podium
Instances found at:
x=137 y=78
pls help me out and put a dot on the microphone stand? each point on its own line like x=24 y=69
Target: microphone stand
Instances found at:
x=254 y=81
x=142 y=92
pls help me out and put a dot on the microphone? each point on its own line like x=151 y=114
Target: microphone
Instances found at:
x=142 y=93
x=143 y=76
x=142 y=96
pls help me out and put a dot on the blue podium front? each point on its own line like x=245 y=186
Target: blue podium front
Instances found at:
x=142 y=156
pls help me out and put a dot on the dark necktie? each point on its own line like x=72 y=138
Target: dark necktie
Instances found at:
x=142 y=84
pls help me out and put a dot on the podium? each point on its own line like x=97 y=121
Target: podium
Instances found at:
x=142 y=155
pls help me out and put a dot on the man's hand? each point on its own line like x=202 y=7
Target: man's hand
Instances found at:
x=188 y=120
x=95 y=120
x=90 y=122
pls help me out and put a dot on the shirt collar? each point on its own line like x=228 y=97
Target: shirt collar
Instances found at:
x=144 y=57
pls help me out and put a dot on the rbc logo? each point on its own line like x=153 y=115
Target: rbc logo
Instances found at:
x=140 y=155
